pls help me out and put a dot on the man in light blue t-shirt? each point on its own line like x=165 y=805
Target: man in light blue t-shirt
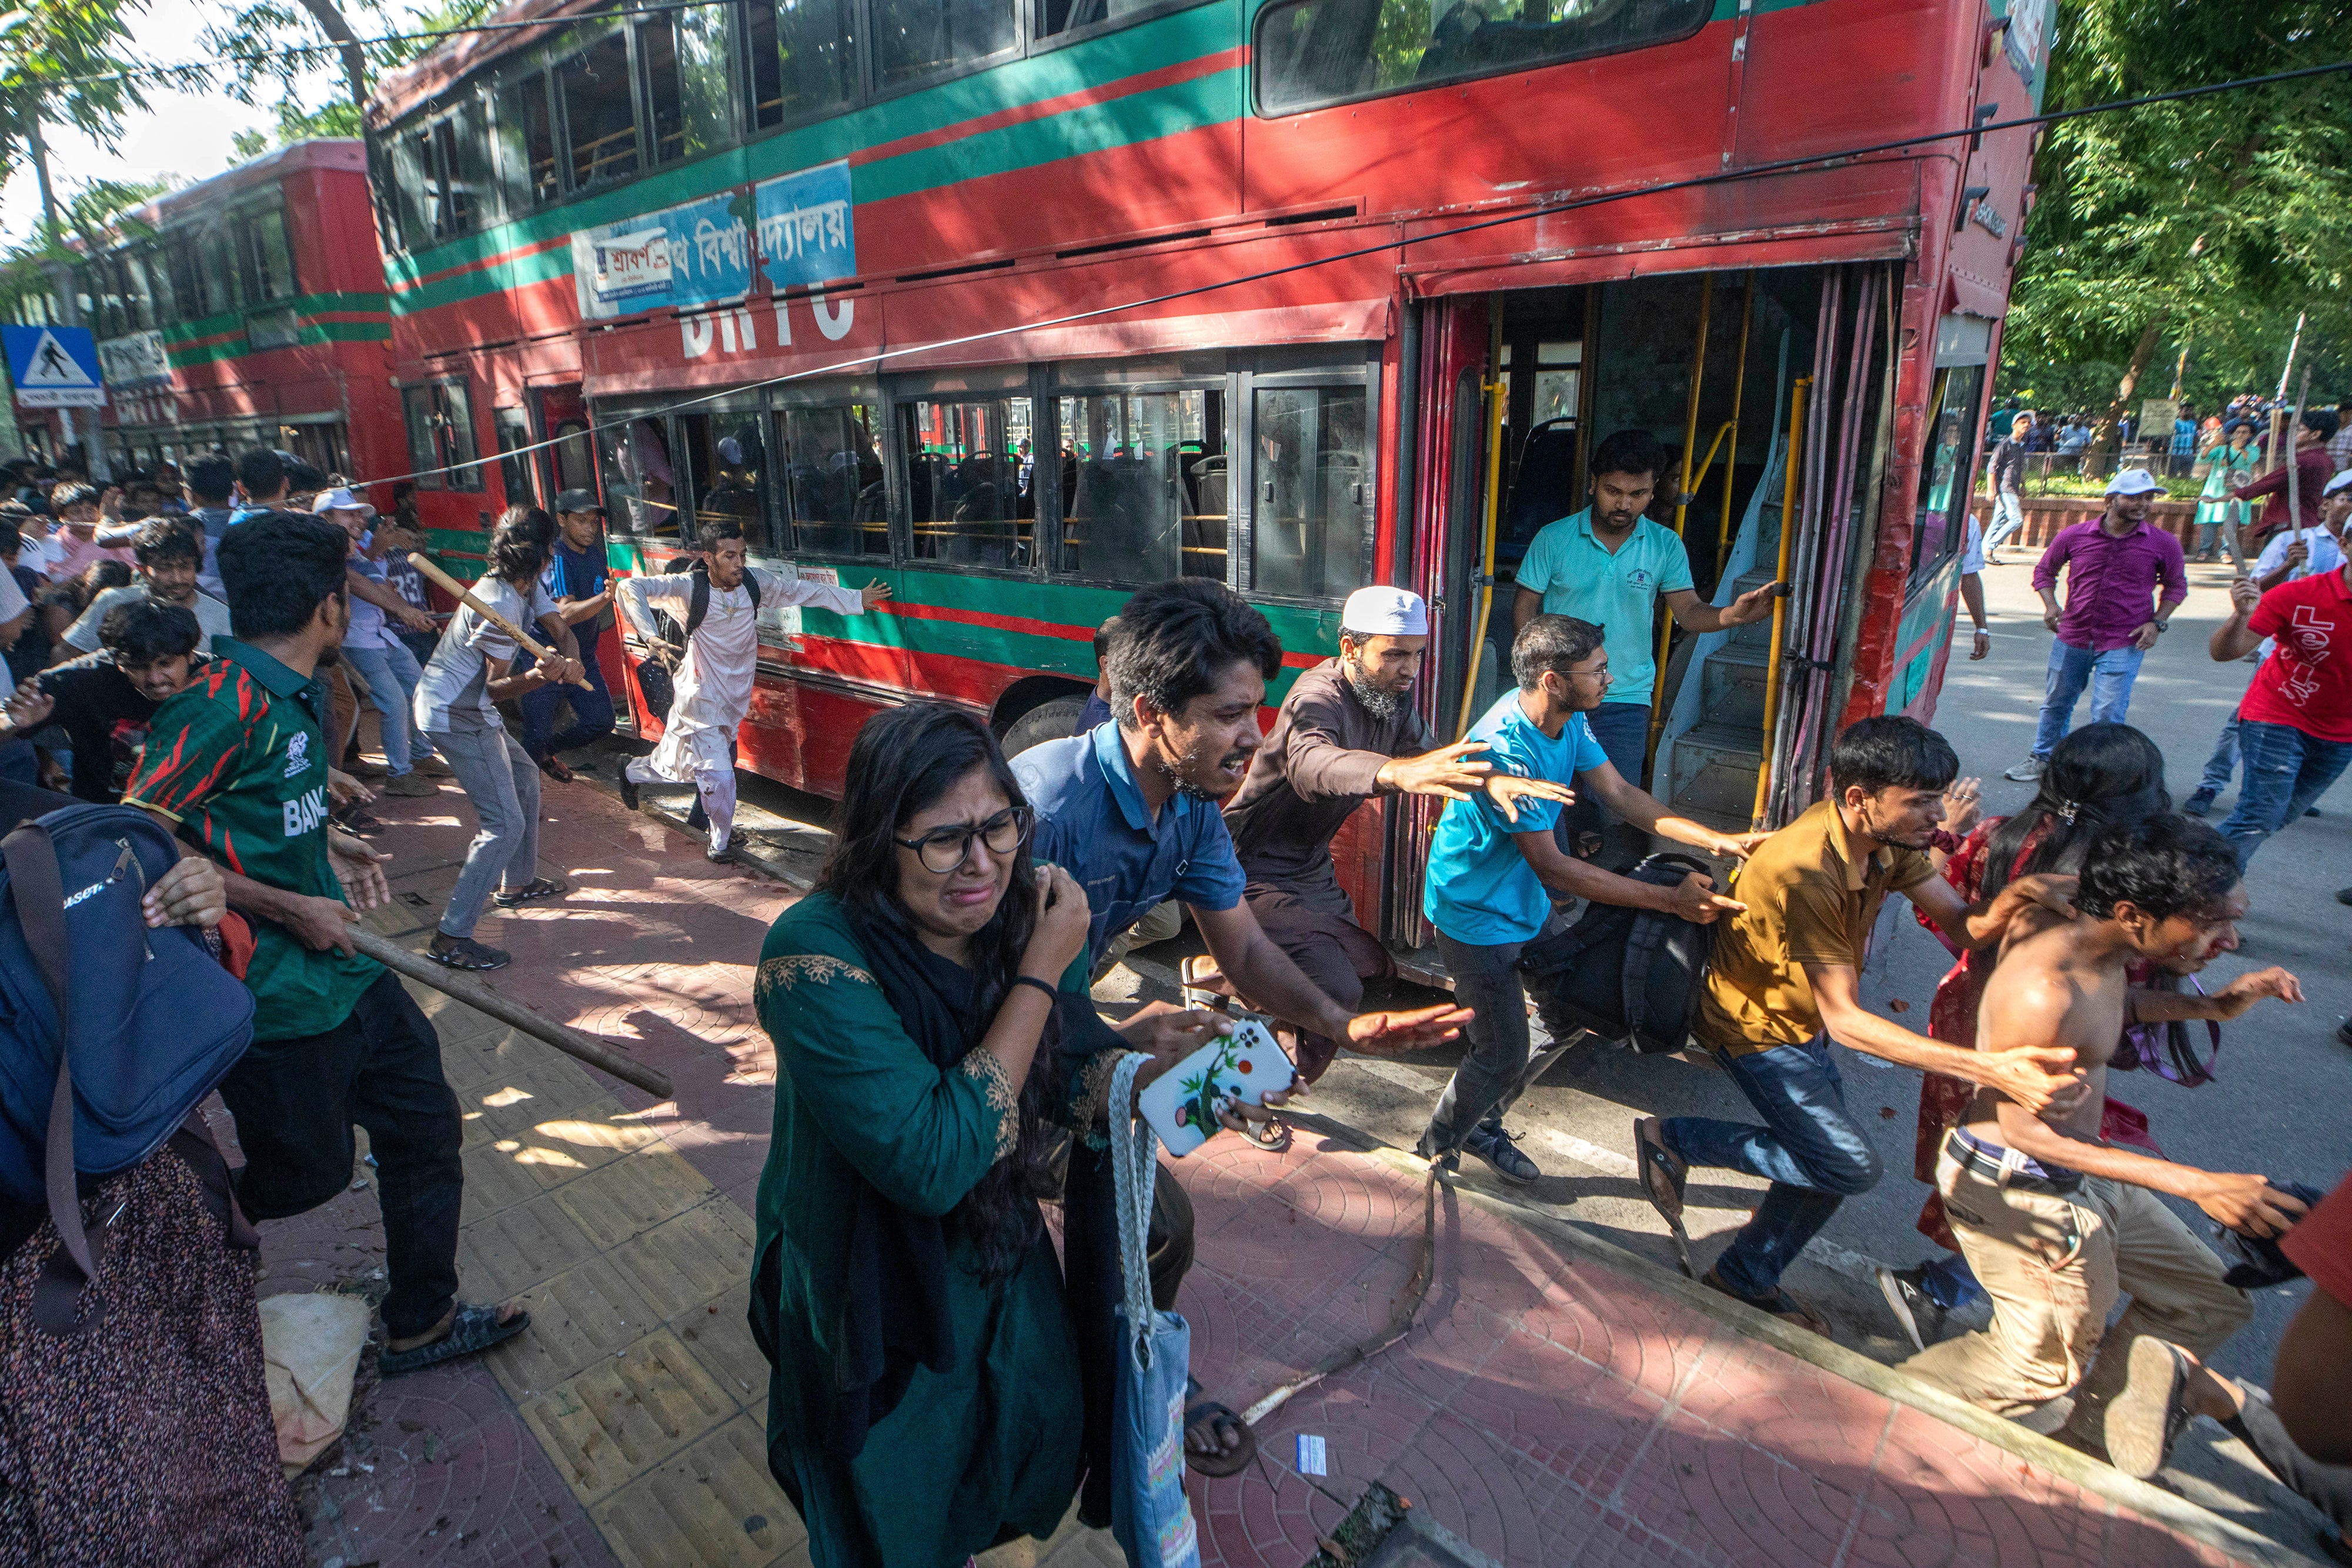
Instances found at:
x=1494 y=870
x=1610 y=565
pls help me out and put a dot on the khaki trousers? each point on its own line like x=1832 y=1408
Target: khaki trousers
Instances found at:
x=2054 y=1267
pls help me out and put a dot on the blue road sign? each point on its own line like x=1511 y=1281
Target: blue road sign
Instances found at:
x=54 y=367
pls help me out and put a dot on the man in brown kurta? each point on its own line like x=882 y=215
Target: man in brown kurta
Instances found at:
x=1345 y=733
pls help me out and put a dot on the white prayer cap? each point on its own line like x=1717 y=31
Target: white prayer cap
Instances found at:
x=1385 y=612
x=2133 y=482
x=2341 y=482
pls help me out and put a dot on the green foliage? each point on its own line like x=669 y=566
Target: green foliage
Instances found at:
x=269 y=43
x=2212 y=221
x=294 y=123
x=91 y=219
x=48 y=50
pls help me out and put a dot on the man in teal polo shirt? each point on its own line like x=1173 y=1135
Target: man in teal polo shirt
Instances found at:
x=1610 y=565
x=1495 y=869
x=236 y=766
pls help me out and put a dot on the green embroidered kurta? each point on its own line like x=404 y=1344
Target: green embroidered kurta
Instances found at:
x=992 y=1446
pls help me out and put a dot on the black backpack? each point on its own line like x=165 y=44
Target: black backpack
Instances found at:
x=1632 y=975
x=652 y=678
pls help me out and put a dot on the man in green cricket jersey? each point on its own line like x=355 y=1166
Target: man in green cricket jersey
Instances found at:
x=237 y=763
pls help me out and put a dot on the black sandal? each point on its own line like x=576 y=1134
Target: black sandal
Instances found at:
x=1663 y=1173
x=472 y=1329
x=465 y=953
x=1219 y=1463
x=541 y=887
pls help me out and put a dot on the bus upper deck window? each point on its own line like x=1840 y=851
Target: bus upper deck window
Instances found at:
x=462 y=143
x=916 y=38
x=1058 y=16
x=599 y=115
x=1310 y=528
x=804 y=59
x=527 y=144
x=685 y=56
x=269 y=260
x=1311 y=52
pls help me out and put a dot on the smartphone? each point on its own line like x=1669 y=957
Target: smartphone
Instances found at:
x=1239 y=1068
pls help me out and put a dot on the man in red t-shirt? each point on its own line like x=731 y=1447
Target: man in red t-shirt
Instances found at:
x=2295 y=725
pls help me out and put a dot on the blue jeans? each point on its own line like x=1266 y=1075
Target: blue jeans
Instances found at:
x=1812 y=1151
x=2286 y=770
x=2109 y=676
x=2222 y=766
x=591 y=710
x=2008 y=518
x=392 y=676
x=1623 y=731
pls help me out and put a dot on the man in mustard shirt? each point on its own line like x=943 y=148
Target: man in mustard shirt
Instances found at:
x=1610 y=565
x=1786 y=979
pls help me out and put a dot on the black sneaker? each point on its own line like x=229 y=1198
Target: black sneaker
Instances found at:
x=1906 y=1297
x=1493 y=1145
x=2198 y=804
x=2344 y=895
x=628 y=788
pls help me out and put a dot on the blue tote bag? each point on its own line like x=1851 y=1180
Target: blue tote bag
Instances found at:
x=1150 y=1518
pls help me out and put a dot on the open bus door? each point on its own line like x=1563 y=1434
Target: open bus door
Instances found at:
x=1515 y=390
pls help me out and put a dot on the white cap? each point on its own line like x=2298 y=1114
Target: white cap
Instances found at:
x=1385 y=612
x=342 y=500
x=2341 y=482
x=2133 y=482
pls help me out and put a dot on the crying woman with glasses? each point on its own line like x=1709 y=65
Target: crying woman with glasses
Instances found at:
x=934 y=1039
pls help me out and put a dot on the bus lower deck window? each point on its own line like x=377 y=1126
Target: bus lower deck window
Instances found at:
x=1144 y=493
x=834 y=500
x=965 y=463
x=1310 y=524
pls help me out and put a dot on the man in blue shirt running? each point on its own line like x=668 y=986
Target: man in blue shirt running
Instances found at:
x=1494 y=871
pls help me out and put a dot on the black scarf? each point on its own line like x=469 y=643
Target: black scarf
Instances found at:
x=894 y=1314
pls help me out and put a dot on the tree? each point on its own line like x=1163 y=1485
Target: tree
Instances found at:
x=296 y=123
x=268 y=44
x=96 y=216
x=2206 y=220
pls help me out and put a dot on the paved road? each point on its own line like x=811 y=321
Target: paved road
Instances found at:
x=2278 y=1105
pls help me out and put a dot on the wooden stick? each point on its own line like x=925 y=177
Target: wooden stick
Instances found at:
x=2293 y=466
x=481 y=999
x=465 y=596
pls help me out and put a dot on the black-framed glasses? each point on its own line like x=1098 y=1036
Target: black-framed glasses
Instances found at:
x=944 y=850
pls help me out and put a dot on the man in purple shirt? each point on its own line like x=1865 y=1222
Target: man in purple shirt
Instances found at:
x=2118 y=565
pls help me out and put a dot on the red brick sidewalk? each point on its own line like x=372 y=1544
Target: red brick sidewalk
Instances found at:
x=1553 y=1404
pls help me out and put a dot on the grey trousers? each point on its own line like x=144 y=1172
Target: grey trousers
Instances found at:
x=502 y=781
x=1487 y=980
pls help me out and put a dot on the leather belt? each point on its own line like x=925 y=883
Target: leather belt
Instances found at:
x=1986 y=1162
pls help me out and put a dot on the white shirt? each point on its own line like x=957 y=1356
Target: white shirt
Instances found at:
x=453 y=691
x=211 y=617
x=722 y=657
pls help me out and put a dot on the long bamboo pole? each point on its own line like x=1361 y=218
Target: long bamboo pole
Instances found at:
x=1780 y=605
x=465 y=596
x=2293 y=467
x=481 y=999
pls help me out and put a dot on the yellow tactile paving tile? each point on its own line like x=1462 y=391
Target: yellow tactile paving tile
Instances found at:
x=713 y=1505
x=629 y=1197
x=494 y=1182
x=588 y=1311
x=690 y=1258
x=719 y=1332
x=503 y=1254
x=627 y=1414
x=510 y=1105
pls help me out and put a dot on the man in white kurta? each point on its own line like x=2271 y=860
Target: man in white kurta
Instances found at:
x=723 y=659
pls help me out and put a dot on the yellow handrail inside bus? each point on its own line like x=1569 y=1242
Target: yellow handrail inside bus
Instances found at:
x=1739 y=393
x=1682 y=507
x=1780 y=605
x=1496 y=390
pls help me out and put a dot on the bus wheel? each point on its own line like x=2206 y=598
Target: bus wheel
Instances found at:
x=1052 y=720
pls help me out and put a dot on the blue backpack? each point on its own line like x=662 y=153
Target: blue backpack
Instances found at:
x=152 y=1021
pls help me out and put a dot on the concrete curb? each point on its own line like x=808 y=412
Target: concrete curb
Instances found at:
x=2070 y=1465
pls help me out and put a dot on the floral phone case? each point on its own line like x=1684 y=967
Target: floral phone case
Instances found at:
x=1243 y=1067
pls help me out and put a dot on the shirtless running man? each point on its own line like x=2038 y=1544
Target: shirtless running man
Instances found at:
x=2057 y=1224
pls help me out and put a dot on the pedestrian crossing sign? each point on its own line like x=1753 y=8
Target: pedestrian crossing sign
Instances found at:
x=54 y=367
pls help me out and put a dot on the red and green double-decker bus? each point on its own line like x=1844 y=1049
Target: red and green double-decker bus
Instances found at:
x=885 y=280
x=246 y=310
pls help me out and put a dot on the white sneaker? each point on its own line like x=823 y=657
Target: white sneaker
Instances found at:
x=2027 y=771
